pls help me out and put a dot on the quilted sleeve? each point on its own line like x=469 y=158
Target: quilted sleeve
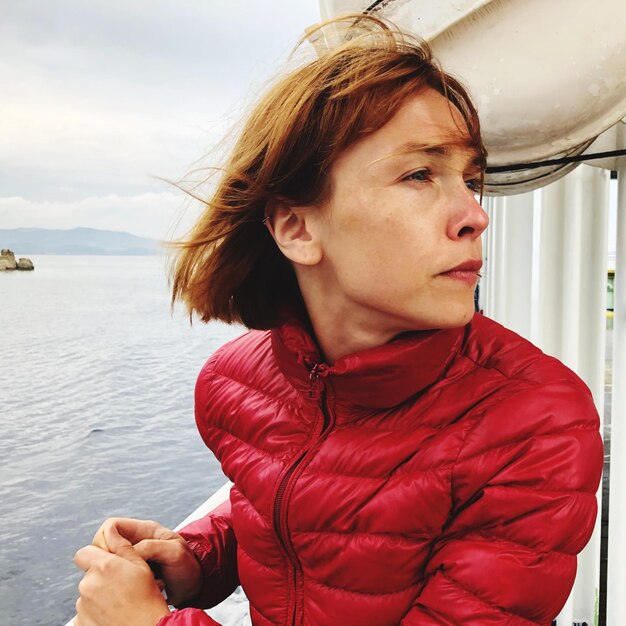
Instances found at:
x=524 y=505
x=212 y=537
x=213 y=541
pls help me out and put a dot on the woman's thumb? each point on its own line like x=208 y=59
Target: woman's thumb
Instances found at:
x=126 y=550
x=119 y=545
x=113 y=540
x=156 y=550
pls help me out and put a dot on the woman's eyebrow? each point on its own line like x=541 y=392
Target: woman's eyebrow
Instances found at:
x=443 y=149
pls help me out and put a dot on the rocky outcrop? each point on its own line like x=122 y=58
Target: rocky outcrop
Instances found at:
x=8 y=262
x=25 y=264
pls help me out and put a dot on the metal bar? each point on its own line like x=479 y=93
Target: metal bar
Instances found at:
x=219 y=497
x=550 y=275
x=616 y=584
x=494 y=283
x=577 y=158
x=518 y=250
x=571 y=272
x=508 y=272
x=593 y=194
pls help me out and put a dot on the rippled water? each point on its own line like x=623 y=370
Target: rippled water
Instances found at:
x=96 y=410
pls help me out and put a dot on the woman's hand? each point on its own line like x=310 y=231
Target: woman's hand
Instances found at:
x=179 y=569
x=117 y=589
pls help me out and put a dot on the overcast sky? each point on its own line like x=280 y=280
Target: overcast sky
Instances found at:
x=99 y=97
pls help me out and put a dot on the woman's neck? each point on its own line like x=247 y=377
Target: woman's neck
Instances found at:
x=341 y=330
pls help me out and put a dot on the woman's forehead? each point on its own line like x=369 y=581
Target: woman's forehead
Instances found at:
x=427 y=123
x=459 y=152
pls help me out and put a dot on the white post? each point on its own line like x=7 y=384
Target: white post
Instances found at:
x=486 y=291
x=571 y=322
x=593 y=193
x=572 y=270
x=507 y=286
x=550 y=276
x=562 y=291
x=616 y=587
x=593 y=280
x=556 y=293
x=494 y=283
x=518 y=247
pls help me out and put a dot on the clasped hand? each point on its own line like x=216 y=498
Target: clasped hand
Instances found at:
x=119 y=586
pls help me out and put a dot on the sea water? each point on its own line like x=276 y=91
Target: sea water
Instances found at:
x=96 y=412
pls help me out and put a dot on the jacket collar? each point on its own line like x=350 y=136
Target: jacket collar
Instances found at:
x=377 y=378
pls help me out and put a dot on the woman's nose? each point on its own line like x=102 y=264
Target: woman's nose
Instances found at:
x=468 y=218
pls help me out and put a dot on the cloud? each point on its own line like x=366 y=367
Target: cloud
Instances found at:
x=56 y=145
x=160 y=216
x=100 y=96
x=176 y=35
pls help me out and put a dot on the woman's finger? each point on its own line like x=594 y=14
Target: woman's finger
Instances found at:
x=120 y=531
x=99 y=540
x=162 y=551
x=115 y=590
x=89 y=556
x=134 y=530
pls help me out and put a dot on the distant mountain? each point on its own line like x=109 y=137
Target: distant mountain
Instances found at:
x=25 y=241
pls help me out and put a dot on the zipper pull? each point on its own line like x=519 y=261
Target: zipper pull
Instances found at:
x=317 y=370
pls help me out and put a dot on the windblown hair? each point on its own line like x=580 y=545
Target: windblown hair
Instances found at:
x=229 y=268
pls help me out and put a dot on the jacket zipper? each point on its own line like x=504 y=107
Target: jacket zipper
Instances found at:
x=280 y=508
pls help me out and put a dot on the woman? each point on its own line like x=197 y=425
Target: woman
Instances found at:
x=396 y=459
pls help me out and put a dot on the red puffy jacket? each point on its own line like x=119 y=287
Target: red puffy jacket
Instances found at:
x=447 y=477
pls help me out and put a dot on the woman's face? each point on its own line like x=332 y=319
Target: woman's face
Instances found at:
x=401 y=216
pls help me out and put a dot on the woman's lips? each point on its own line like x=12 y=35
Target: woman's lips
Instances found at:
x=466 y=272
x=467 y=276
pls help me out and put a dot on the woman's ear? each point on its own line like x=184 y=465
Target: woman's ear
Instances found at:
x=295 y=231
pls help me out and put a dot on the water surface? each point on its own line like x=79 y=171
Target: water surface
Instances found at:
x=96 y=410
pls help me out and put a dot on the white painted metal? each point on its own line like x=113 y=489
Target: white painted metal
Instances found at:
x=566 y=289
x=611 y=140
x=572 y=265
x=219 y=497
x=434 y=17
x=592 y=346
x=616 y=600
x=550 y=278
x=493 y=282
x=508 y=267
x=594 y=192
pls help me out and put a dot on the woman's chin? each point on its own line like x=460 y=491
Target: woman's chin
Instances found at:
x=453 y=316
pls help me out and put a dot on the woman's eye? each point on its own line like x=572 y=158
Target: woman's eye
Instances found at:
x=419 y=175
x=473 y=184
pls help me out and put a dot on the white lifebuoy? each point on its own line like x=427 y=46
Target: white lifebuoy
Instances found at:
x=547 y=76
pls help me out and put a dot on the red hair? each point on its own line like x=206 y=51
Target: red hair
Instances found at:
x=229 y=268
